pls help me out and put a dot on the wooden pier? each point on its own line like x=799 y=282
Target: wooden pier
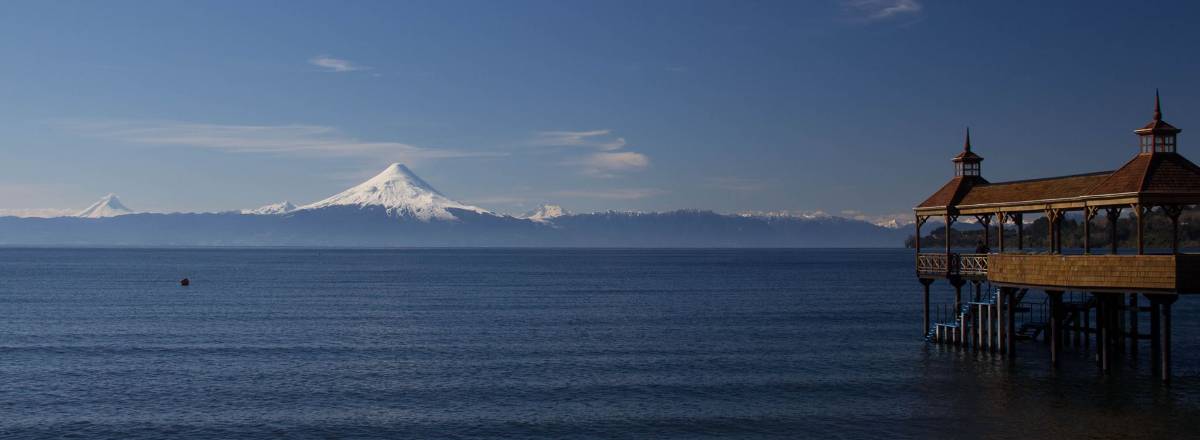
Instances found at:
x=1089 y=298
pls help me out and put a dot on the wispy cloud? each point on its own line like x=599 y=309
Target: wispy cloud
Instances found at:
x=610 y=164
x=612 y=194
x=331 y=64
x=598 y=139
x=606 y=158
x=881 y=9
x=296 y=139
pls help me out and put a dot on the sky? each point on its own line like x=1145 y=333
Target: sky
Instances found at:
x=847 y=107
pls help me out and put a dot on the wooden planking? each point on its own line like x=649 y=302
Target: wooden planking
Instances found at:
x=1171 y=273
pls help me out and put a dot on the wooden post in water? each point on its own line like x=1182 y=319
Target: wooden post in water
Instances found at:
x=1166 y=338
x=925 y=282
x=1103 y=330
x=1087 y=327
x=1133 y=325
x=1056 y=331
x=1010 y=336
x=958 y=283
x=1155 y=333
x=1119 y=322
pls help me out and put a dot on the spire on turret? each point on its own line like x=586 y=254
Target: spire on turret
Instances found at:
x=1158 y=136
x=966 y=164
x=1157 y=106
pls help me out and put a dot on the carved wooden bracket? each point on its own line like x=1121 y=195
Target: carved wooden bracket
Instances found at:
x=1172 y=211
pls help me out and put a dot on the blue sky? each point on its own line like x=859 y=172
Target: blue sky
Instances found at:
x=848 y=106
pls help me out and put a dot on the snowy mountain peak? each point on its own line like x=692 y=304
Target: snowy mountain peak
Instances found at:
x=107 y=206
x=545 y=213
x=401 y=192
x=283 y=207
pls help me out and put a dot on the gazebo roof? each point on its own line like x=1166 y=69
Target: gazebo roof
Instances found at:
x=1145 y=174
x=1150 y=177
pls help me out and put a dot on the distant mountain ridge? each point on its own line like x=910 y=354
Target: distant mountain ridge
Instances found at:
x=396 y=208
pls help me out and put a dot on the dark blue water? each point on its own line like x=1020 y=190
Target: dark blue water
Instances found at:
x=531 y=344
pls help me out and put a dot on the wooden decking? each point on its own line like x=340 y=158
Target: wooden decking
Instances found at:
x=1173 y=274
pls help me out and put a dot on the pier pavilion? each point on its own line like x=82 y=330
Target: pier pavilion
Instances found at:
x=1102 y=287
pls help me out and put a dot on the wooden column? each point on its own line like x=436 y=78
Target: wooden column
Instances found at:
x=1104 y=330
x=1155 y=333
x=957 y=283
x=977 y=321
x=949 y=222
x=925 y=282
x=1000 y=231
x=1140 y=213
x=1056 y=330
x=1010 y=332
x=1114 y=217
x=1002 y=302
x=985 y=221
x=1173 y=212
x=1165 y=334
x=1051 y=220
x=1019 y=219
x=1133 y=325
x=1087 y=326
x=992 y=331
x=1089 y=214
x=957 y=313
x=920 y=222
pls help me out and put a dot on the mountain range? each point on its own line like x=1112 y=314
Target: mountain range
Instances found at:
x=397 y=208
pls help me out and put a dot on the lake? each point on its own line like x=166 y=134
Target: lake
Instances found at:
x=542 y=343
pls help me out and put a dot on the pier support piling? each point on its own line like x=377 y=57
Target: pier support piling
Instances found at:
x=1056 y=330
x=926 y=282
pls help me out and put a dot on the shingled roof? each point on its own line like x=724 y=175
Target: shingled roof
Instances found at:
x=1158 y=173
x=1150 y=173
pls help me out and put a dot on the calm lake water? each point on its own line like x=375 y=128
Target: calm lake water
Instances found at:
x=683 y=344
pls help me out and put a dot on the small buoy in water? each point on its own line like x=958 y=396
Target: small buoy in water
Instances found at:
x=184 y=282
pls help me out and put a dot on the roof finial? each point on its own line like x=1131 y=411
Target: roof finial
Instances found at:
x=1157 y=107
x=967 y=143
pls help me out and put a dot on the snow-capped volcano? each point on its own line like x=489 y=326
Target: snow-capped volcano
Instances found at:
x=283 y=207
x=544 y=213
x=108 y=206
x=401 y=193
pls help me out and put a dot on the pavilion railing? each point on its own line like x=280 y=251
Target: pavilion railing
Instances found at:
x=952 y=264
